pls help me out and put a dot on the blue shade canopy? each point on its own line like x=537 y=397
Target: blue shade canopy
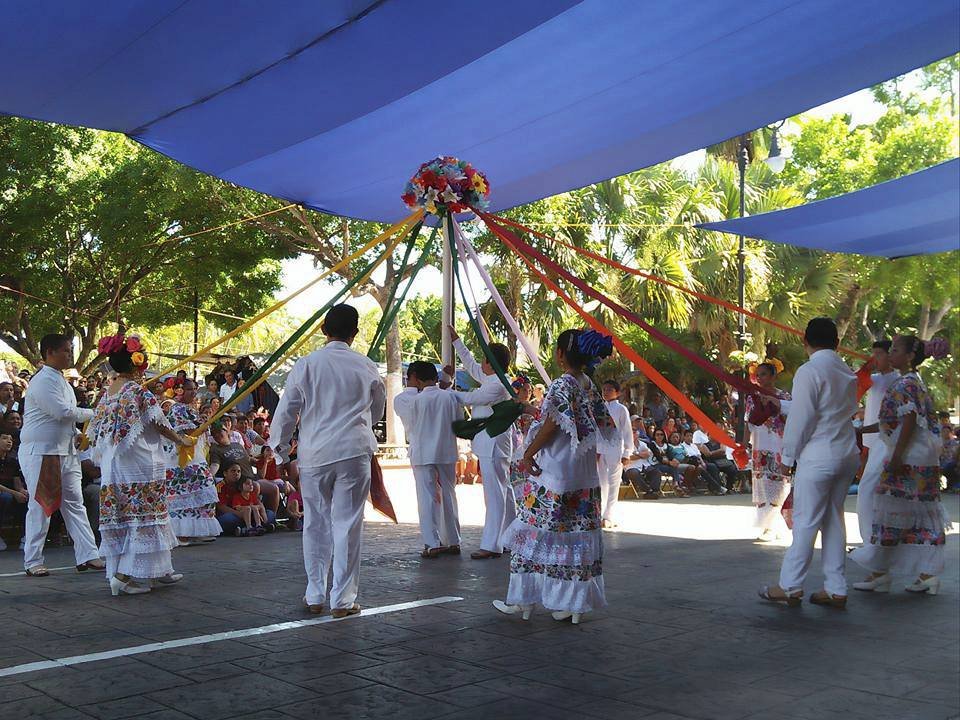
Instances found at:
x=913 y=215
x=335 y=103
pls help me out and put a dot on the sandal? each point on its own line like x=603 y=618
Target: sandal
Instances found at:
x=450 y=549
x=484 y=555
x=37 y=571
x=822 y=597
x=430 y=553
x=781 y=596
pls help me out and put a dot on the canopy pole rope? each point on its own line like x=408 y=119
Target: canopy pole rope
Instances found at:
x=498 y=299
x=709 y=426
x=669 y=283
x=296 y=341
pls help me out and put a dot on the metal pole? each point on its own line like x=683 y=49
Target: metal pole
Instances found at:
x=196 y=328
x=742 y=158
x=446 y=312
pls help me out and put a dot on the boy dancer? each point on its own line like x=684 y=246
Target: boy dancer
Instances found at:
x=493 y=452
x=427 y=413
x=614 y=456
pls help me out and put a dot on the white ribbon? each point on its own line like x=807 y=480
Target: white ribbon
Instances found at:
x=511 y=322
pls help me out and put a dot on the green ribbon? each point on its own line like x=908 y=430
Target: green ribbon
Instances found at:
x=381 y=330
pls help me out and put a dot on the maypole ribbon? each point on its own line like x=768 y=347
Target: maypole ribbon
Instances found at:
x=462 y=255
x=740 y=383
x=398 y=278
x=297 y=340
x=669 y=283
x=402 y=225
x=740 y=455
x=498 y=299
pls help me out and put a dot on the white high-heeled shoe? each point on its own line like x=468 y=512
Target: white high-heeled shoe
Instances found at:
x=878 y=584
x=524 y=611
x=930 y=586
x=564 y=615
x=167 y=579
x=118 y=586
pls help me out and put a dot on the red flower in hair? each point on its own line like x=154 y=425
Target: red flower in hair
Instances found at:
x=110 y=344
x=133 y=344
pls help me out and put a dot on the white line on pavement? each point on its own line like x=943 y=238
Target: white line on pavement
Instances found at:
x=216 y=637
x=21 y=574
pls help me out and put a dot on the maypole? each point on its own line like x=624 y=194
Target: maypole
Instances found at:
x=448 y=306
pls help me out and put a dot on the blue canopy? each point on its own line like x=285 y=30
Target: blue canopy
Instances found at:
x=913 y=215
x=335 y=103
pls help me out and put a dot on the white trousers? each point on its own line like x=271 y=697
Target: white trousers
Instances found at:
x=437 y=504
x=498 y=500
x=819 y=489
x=867 y=491
x=610 y=478
x=71 y=508
x=333 y=499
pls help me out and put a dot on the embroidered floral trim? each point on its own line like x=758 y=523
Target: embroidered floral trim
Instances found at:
x=582 y=573
x=120 y=419
x=574 y=511
x=907 y=394
x=133 y=504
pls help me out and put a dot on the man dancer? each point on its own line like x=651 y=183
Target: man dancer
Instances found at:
x=613 y=456
x=338 y=395
x=493 y=452
x=428 y=414
x=870 y=478
x=819 y=435
x=48 y=449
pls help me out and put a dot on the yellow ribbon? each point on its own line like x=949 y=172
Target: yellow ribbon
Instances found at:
x=247 y=389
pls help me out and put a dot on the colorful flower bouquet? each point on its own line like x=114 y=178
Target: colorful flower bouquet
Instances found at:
x=447 y=185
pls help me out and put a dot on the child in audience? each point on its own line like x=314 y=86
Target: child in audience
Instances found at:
x=428 y=413
x=246 y=503
x=295 y=504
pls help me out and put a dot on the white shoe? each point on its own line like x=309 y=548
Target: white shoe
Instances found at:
x=525 y=611
x=930 y=586
x=167 y=579
x=564 y=615
x=118 y=586
x=878 y=583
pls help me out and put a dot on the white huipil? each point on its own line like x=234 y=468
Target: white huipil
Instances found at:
x=770 y=484
x=610 y=460
x=191 y=490
x=337 y=394
x=879 y=382
x=819 y=436
x=556 y=542
x=427 y=417
x=49 y=429
x=135 y=533
x=493 y=453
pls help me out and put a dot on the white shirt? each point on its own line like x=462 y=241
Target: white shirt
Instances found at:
x=691 y=449
x=227 y=391
x=427 y=416
x=51 y=415
x=338 y=395
x=824 y=400
x=871 y=410
x=640 y=463
x=700 y=437
x=490 y=392
x=622 y=444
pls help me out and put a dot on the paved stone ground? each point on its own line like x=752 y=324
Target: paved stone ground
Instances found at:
x=684 y=637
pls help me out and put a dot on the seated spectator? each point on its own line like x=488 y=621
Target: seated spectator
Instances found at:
x=636 y=472
x=210 y=391
x=13 y=491
x=90 y=482
x=295 y=505
x=708 y=472
x=224 y=451
x=699 y=436
x=228 y=424
x=261 y=428
x=6 y=397
x=229 y=385
x=245 y=404
x=715 y=454
x=251 y=438
x=683 y=475
x=639 y=431
x=11 y=424
x=246 y=504
x=678 y=453
x=670 y=426
x=949 y=455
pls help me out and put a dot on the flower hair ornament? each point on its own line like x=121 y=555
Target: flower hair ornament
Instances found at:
x=132 y=344
x=594 y=345
x=520 y=381
x=936 y=347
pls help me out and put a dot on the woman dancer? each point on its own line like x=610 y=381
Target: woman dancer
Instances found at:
x=191 y=490
x=909 y=522
x=136 y=537
x=555 y=540
x=767 y=418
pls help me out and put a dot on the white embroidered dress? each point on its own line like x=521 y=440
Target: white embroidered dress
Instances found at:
x=770 y=486
x=136 y=537
x=555 y=541
x=191 y=490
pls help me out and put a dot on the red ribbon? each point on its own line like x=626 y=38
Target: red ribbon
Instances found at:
x=740 y=455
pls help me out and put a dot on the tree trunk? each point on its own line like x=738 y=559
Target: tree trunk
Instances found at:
x=924 y=323
x=935 y=323
x=848 y=310
x=394 y=384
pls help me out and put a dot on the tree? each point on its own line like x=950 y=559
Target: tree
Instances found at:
x=97 y=228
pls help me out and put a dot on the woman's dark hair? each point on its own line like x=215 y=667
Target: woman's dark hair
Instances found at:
x=120 y=361
x=768 y=366
x=915 y=345
x=567 y=344
x=883 y=345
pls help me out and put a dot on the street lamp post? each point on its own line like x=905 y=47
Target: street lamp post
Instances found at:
x=743 y=157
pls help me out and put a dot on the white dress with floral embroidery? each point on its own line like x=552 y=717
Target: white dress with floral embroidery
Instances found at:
x=556 y=543
x=770 y=485
x=191 y=490
x=136 y=537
